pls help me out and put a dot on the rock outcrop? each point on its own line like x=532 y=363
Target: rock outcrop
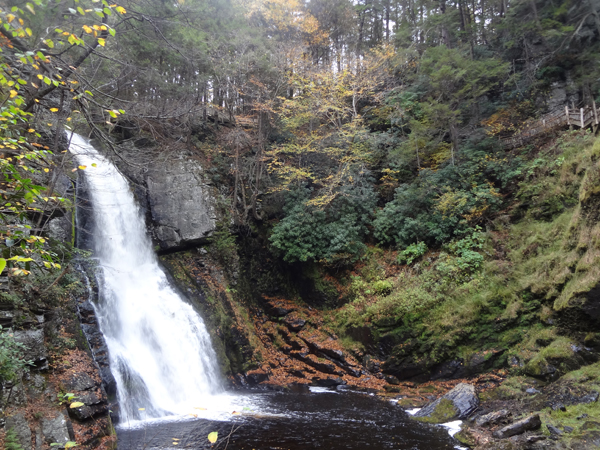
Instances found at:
x=182 y=205
x=529 y=423
x=459 y=403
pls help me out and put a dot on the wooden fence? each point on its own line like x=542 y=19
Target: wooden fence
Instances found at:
x=580 y=118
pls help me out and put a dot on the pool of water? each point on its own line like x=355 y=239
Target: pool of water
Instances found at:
x=312 y=419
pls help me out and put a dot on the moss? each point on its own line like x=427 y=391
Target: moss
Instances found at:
x=445 y=411
x=464 y=436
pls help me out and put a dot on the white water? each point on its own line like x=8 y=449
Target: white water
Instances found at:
x=160 y=351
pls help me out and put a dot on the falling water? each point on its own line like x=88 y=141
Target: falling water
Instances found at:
x=160 y=351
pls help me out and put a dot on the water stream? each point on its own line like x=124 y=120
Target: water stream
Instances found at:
x=168 y=384
x=160 y=350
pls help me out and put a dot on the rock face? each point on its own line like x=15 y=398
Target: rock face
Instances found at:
x=463 y=398
x=181 y=205
x=35 y=351
x=529 y=423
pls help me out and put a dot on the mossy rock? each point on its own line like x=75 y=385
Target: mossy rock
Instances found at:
x=445 y=411
x=465 y=436
x=554 y=360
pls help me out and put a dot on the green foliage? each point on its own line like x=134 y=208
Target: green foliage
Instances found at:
x=412 y=253
x=463 y=257
x=329 y=234
x=11 y=361
x=11 y=441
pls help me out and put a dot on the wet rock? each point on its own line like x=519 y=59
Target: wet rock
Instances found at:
x=405 y=368
x=328 y=382
x=322 y=365
x=530 y=423
x=532 y=391
x=88 y=412
x=294 y=323
x=554 y=430
x=533 y=439
x=35 y=350
x=463 y=399
x=55 y=430
x=568 y=429
x=255 y=377
x=391 y=379
x=21 y=428
x=493 y=418
x=447 y=370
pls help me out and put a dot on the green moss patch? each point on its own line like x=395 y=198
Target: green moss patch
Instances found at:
x=444 y=412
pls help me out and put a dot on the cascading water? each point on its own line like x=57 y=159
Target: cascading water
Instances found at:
x=160 y=351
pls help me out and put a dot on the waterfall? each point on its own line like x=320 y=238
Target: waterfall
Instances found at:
x=160 y=351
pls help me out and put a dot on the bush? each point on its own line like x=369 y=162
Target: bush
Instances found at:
x=412 y=252
x=330 y=233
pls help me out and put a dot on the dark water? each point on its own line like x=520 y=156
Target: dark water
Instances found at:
x=292 y=421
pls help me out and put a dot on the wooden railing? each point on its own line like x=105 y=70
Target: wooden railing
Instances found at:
x=580 y=118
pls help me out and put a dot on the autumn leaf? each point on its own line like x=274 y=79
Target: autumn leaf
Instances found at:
x=212 y=437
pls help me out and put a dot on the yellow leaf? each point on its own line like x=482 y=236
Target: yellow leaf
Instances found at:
x=53 y=109
x=13 y=93
x=40 y=76
x=102 y=42
x=10 y=18
x=46 y=170
x=82 y=167
x=31 y=130
x=87 y=29
x=141 y=409
x=212 y=437
x=76 y=405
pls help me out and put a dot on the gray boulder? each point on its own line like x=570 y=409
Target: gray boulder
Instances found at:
x=529 y=423
x=462 y=398
x=55 y=430
x=492 y=418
